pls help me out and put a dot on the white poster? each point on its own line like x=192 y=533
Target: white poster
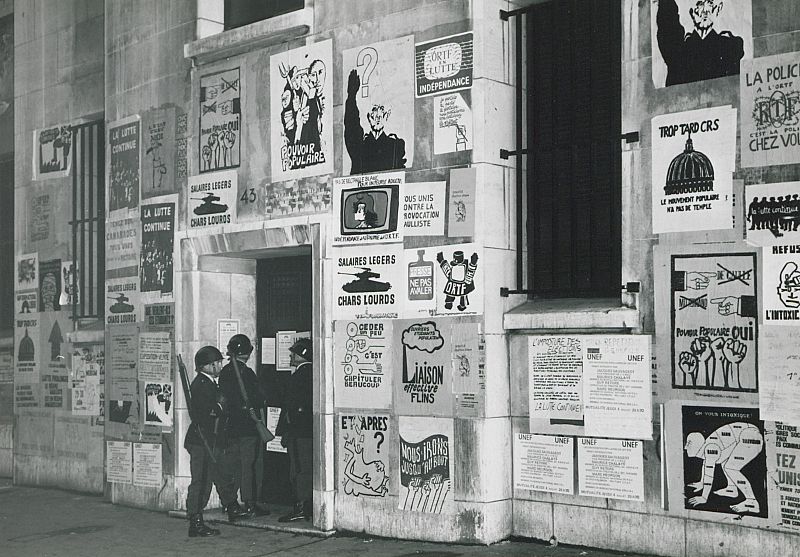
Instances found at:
x=158 y=403
x=426 y=465
x=155 y=357
x=226 y=328
x=612 y=468
x=424 y=206
x=52 y=152
x=220 y=137
x=367 y=282
x=368 y=208
x=461 y=203
x=694 y=154
x=364 y=455
x=544 y=463
x=781 y=285
x=452 y=123
x=419 y=281
x=123 y=301
x=119 y=462
x=555 y=364
x=784 y=470
x=378 y=88
x=423 y=383
x=459 y=280
x=283 y=341
x=27 y=277
x=362 y=352
x=274 y=446
x=70 y=281
x=212 y=201
x=268 y=351
x=147 y=465
x=773 y=214
x=779 y=374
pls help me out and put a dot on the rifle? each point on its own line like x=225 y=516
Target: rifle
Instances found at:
x=187 y=394
x=265 y=434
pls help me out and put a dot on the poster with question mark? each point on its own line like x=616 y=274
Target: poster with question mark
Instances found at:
x=378 y=87
x=366 y=455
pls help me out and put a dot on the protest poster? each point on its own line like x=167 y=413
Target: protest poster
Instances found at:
x=781 y=285
x=26 y=341
x=420 y=289
x=424 y=206
x=158 y=164
x=694 y=154
x=301 y=104
x=6 y=366
x=26 y=395
x=27 y=272
x=461 y=203
x=50 y=285
x=697 y=41
x=212 y=201
x=362 y=352
x=147 y=465
x=444 y=65
x=467 y=367
x=365 y=457
x=368 y=208
x=268 y=351
x=70 y=285
x=770 y=96
x=54 y=375
x=423 y=361
x=459 y=281
x=226 y=328
x=155 y=357
x=123 y=361
x=367 y=282
x=158 y=238
x=555 y=383
x=123 y=305
x=273 y=415
x=160 y=317
x=773 y=211
x=220 y=134
x=779 y=374
x=86 y=385
x=40 y=217
x=452 y=123
x=783 y=456
x=123 y=241
x=26 y=302
x=426 y=465
x=124 y=166
x=378 y=88
x=544 y=463
x=291 y=198
x=283 y=357
x=52 y=152
x=119 y=462
x=612 y=468
x=157 y=403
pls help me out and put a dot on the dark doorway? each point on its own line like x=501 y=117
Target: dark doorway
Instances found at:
x=283 y=303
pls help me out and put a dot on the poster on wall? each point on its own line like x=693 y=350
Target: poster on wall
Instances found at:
x=781 y=285
x=467 y=366
x=220 y=121
x=544 y=463
x=155 y=357
x=27 y=349
x=147 y=465
x=291 y=198
x=779 y=374
x=555 y=384
x=368 y=282
x=368 y=208
x=362 y=363
x=158 y=238
x=420 y=276
x=212 y=201
x=86 y=385
x=301 y=102
x=160 y=317
x=283 y=357
x=426 y=466
x=612 y=468
x=459 y=280
x=770 y=96
x=26 y=302
x=695 y=41
x=122 y=375
x=119 y=462
x=694 y=153
x=124 y=166
x=452 y=123
x=50 y=285
x=158 y=403
x=70 y=281
x=783 y=456
x=423 y=377
x=444 y=65
x=40 y=217
x=423 y=210
x=773 y=214
x=54 y=375
x=27 y=272
x=158 y=157
x=52 y=152
x=364 y=455
x=461 y=203
x=378 y=88
x=123 y=303
x=273 y=415
x=123 y=243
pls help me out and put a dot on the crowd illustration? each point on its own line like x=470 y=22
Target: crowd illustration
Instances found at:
x=777 y=214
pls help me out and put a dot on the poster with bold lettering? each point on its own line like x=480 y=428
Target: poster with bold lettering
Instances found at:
x=301 y=105
x=423 y=383
x=544 y=463
x=378 y=88
x=770 y=99
x=783 y=458
x=220 y=121
x=362 y=352
x=459 y=280
x=773 y=214
x=123 y=243
x=452 y=123
x=158 y=238
x=123 y=305
x=694 y=154
x=365 y=456
x=421 y=273
x=160 y=317
x=698 y=40
x=367 y=282
x=124 y=166
x=158 y=174
x=26 y=302
x=426 y=465
x=27 y=349
x=555 y=383
x=781 y=285
x=368 y=208
x=612 y=468
x=52 y=152
x=444 y=65
x=155 y=357
x=424 y=206
x=54 y=375
x=212 y=201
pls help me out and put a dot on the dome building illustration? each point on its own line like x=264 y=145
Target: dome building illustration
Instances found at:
x=689 y=172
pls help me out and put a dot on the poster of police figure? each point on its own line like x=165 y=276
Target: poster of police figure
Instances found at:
x=158 y=233
x=365 y=453
x=426 y=465
x=52 y=152
x=423 y=378
x=124 y=164
x=378 y=88
x=694 y=154
x=772 y=213
x=301 y=109
x=220 y=121
x=694 y=40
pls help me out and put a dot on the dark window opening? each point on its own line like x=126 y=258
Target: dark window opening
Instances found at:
x=239 y=13
x=573 y=137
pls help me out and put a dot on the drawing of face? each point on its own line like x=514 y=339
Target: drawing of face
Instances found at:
x=705 y=14
x=286 y=98
x=694 y=444
x=377 y=117
x=316 y=76
x=789 y=285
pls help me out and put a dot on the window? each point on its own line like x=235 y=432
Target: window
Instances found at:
x=574 y=146
x=244 y=12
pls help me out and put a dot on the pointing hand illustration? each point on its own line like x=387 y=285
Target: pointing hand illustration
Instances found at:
x=697 y=280
x=727 y=305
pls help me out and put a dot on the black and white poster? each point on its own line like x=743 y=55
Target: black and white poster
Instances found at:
x=426 y=465
x=157 y=403
x=773 y=213
x=694 y=40
x=365 y=450
x=459 y=280
x=158 y=237
x=40 y=217
x=301 y=104
x=158 y=157
x=220 y=120
x=423 y=382
x=378 y=88
x=781 y=285
x=50 y=285
x=27 y=272
x=452 y=123
x=123 y=303
x=52 y=152
x=424 y=207
x=212 y=201
x=367 y=282
x=124 y=165
x=70 y=284
x=362 y=363
x=444 y=65
x=783 y=458
x=123 y=242
x=368 y=208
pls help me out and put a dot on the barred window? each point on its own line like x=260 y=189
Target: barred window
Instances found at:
x=244 y=12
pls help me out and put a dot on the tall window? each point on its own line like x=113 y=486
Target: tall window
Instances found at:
x=244 y=12
x=574 y=145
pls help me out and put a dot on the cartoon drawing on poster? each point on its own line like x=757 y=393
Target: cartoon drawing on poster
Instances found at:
x=467 y=367
x=452 y=123
x=781 y=285
x=50 y=285
x=158 y=237
x=123 y=245
x=70 y=285
x=158 y=404
x=212 y=201
x=426 y=466
x=724 y=462
x=52 y=152
x=783 y=456
x=220 y=121
x=444 y=65
x=364 y=465
x=461 y=203
x=367 y=282
x=86 y=384
x=379 y=106
x=779 y=374
x=301 y=100
x=362 y=354
x=26 y=341
x=423 y=358
x=693 y=161
x=27 y=271
x=770 y=101
x=421 y=282
x=368 y=208
x=295 y=197
x=424 y=206
x=459 y=281
x=40 y=217
x=124 y=164
x=158 y=174
x=714 y=322
x=123 y=303
x=773 y=212
x=27 y=302
x=694 y=40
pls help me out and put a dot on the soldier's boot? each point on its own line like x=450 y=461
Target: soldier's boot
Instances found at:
x=197 y=528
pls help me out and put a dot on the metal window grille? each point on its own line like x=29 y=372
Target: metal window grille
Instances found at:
x=244 y=12
x=88 y=219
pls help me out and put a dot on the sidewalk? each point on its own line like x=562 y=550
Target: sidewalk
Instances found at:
x=50 y=522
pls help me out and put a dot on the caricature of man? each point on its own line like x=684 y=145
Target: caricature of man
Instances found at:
x=460 y=275
x=789 y=285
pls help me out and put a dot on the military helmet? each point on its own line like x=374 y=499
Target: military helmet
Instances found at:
x=239 y=345
x=303 y=348
x=206 y=355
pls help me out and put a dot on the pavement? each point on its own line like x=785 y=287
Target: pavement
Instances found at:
x=51 y=522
